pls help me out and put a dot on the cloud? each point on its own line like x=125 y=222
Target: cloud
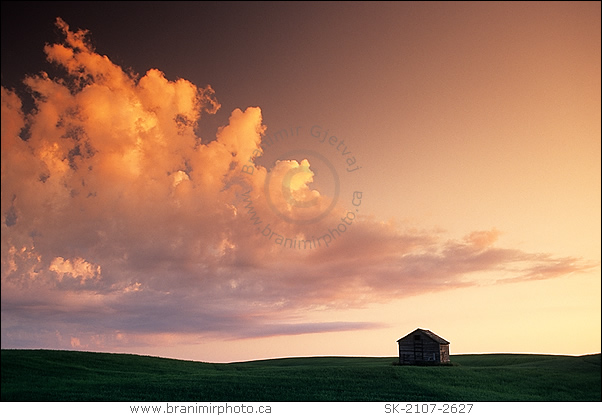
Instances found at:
x=121 y=226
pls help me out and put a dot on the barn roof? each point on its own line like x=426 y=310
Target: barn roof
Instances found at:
x=427 y=333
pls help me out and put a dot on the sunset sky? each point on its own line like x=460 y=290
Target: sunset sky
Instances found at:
x=236 y=181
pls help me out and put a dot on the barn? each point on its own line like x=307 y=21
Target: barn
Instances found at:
x=423 y=347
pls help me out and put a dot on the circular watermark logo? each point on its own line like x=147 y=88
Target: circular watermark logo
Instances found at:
x=303 y=186
x=299 y=207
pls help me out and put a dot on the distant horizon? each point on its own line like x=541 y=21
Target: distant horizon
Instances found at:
x=394 y=357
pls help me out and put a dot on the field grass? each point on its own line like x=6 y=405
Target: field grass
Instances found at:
x=51 y=375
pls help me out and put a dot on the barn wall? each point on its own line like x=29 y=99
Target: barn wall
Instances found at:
x=419 y=350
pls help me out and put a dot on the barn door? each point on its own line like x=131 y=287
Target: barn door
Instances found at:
x=418 y=348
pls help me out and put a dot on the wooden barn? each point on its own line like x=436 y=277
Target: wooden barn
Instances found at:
x=423 y=347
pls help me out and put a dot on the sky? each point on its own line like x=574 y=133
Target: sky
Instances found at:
x=235 y=181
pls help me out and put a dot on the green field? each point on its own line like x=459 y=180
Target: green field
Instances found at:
x=50 y=375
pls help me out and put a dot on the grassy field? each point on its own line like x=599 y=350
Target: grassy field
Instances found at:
x=49 y=375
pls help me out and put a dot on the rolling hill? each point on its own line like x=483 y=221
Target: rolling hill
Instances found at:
x=53 y=375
